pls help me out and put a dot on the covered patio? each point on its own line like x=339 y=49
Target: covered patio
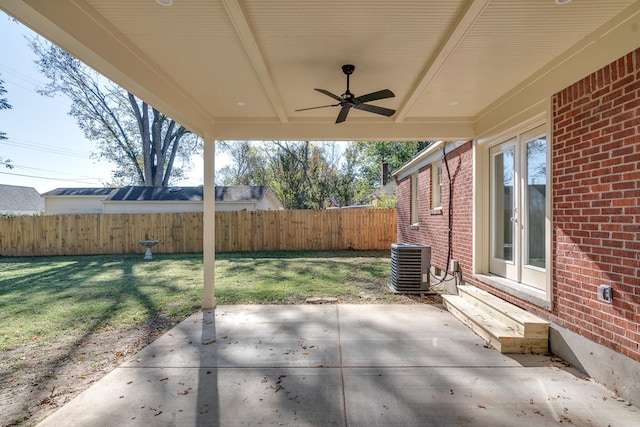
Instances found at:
x=355 y=365
x=459 y=70
x=470 y=73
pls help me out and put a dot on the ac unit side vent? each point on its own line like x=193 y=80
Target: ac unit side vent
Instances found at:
x=410 y=264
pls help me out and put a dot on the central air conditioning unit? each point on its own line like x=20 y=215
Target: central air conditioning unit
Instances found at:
x=410 y=265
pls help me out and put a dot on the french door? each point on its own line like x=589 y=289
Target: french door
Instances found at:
x=519 y=237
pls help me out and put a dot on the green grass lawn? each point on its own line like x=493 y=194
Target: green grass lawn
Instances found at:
x=49 y=298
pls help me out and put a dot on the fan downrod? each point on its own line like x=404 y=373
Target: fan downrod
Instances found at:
x=348 y=70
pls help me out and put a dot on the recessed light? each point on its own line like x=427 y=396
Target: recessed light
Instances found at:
x=454 y=102
x=241 y=104
x=563 y=1
x=165 y=2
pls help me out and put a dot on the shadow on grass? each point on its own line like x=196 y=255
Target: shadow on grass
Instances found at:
x=301 y=254
x=57 y=304
x=65 y=301
x=290 y=278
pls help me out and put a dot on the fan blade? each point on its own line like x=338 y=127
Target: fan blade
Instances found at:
x=326 y=92
x=313 y=108
x=374 y=96
x=375 y=109
x=342 y=116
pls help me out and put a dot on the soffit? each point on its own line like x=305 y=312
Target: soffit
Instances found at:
x=240 y=69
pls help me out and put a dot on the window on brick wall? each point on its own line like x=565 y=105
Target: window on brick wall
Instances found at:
x=436 y=185
x=414 y=199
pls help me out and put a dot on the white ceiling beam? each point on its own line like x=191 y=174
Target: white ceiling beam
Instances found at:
x=351 y=130
x=245 y=33
x=466 y=18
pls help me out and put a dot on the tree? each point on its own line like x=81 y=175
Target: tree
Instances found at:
x=310 y=175
x=248 y=166
x=4 y=105
x=395 y=153
x=295 y=168
x=143 y=142
x=303 y=174
x=348 y=187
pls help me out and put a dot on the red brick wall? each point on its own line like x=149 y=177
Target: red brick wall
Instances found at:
x=403 y=194
x=596 y=208
x=433 y=225
x=596 y=205
x=406 y=234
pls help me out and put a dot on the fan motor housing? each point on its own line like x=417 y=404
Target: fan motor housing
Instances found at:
x=348 y=68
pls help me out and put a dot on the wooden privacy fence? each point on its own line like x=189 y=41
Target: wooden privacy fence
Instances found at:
x=335 y=229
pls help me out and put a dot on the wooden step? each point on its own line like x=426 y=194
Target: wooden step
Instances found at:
x=504 y=338
x=529 y=325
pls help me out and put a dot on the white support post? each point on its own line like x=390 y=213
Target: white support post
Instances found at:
x=209 y=226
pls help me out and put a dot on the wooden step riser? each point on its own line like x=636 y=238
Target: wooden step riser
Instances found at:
x=534 y=330
x=528 y=330
x=487 y=336
x=504 y=344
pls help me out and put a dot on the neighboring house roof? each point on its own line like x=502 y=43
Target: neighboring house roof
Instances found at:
x=156 y=194
x=242 y=193
x=80 y=192
x=20 y=200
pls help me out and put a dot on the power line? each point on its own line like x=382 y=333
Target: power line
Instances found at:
x=81 y=179
x=50 y=179
x=12 y=85
x=21 y=76
x=32 y=146
x=13 y=165
x=33 y=83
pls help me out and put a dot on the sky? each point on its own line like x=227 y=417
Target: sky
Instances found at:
x=46 y=147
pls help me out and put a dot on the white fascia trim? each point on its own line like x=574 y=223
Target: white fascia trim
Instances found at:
x=425 y=157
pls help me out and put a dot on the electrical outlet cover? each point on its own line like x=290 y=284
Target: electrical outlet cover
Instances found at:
x=605 y=293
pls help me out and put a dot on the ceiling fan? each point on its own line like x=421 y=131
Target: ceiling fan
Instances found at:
x=349 y=100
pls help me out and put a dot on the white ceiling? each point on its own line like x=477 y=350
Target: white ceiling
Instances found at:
x=238 y=69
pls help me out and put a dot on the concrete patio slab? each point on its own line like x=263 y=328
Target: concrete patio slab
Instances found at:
x=208 y=397
x=478 y=396
x=249 y=336
x=372 y=335
x=343 y=365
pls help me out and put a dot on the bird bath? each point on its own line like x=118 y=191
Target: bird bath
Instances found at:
x=148 y=244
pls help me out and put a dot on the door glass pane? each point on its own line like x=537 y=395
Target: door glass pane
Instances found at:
x=503 y=190
x=536 y=201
